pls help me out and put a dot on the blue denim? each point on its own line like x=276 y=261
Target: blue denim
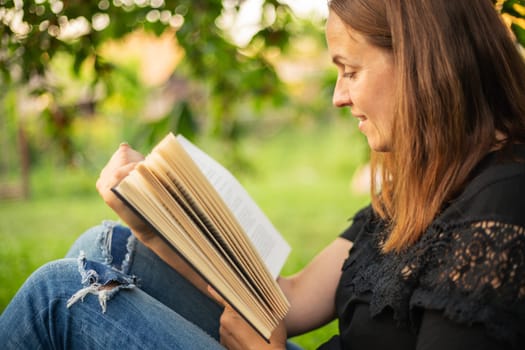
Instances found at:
x=145 y=304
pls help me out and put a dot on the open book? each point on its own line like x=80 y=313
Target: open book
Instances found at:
x=209 y=219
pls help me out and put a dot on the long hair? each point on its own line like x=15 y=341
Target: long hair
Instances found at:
x=459 y=80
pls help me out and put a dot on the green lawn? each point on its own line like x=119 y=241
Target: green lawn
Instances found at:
x=300 y=179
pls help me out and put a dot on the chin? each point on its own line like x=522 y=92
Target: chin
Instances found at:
x=378 y=147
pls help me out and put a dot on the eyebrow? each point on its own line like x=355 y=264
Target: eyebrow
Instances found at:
x=339 y=60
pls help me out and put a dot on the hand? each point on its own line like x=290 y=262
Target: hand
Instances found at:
x=236 y=334
x=119 y=166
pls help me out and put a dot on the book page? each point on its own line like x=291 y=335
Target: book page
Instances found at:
x=143 y=190
x=206 y=202
x=207 y=217
x=268 y=242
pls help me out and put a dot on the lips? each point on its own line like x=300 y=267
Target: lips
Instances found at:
x=362 y=119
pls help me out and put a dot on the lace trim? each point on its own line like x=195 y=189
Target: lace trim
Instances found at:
x=489 y=255
x=474 y=272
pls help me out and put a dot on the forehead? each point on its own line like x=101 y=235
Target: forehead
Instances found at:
x=340 y=36
x=347 y=45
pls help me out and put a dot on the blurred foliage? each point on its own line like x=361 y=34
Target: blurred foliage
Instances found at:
x=513 y=12
x=34 y=34
x=53 y=60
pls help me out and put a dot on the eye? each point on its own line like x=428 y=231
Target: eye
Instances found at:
x=349 y=75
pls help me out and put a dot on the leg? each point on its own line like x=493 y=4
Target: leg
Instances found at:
x=114 y=245
x=38 y=317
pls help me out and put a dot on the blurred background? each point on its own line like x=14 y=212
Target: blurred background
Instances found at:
x=250 y=82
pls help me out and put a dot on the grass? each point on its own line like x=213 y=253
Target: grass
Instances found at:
x=300 y=178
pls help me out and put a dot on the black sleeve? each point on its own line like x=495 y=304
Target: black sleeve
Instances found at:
x=438 y=333
x=474 y=276
x=358 y=223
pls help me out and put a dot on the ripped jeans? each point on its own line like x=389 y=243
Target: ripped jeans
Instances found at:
x=145 y=303
x=149 y=306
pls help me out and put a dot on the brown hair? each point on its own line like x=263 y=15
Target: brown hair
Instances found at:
x=459 y=79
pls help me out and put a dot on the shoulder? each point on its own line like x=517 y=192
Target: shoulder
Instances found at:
x=473 y=259
x=496 y=192
x=359 y=223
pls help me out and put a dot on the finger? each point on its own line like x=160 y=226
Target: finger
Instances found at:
x=129 y=154
x=123 y=155
x=123 y=171
x=111 y=177
x=228 y=330
x=215 y=295
x=116 y=161
x=228 y=340
x=120 y=164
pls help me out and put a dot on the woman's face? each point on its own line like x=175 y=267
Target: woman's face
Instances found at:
x=365 y=81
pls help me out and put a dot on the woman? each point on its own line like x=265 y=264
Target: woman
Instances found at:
x=438 y=259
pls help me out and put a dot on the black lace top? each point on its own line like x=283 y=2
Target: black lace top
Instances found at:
x=461 y=285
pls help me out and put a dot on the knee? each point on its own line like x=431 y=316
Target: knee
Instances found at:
x=55 y=270
x=66 y=281
x=57 y=285
x=51 y=279
x=45 y=291
x=109 y=243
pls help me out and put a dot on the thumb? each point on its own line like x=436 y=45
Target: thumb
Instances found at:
x=215 y=295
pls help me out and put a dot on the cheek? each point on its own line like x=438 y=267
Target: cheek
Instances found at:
x=382 y=119
x=384 y=103
x=388 y=109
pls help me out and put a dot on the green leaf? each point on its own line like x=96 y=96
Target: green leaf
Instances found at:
x=519 y=31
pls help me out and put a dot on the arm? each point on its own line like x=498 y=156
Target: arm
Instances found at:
x=119 y=166
x=311 y=292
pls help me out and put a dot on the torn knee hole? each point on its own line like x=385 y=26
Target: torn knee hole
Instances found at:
x=109 y=285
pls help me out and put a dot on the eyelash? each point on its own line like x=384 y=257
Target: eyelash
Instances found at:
x=349 y=75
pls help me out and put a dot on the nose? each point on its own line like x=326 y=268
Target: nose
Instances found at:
x=341 y=96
